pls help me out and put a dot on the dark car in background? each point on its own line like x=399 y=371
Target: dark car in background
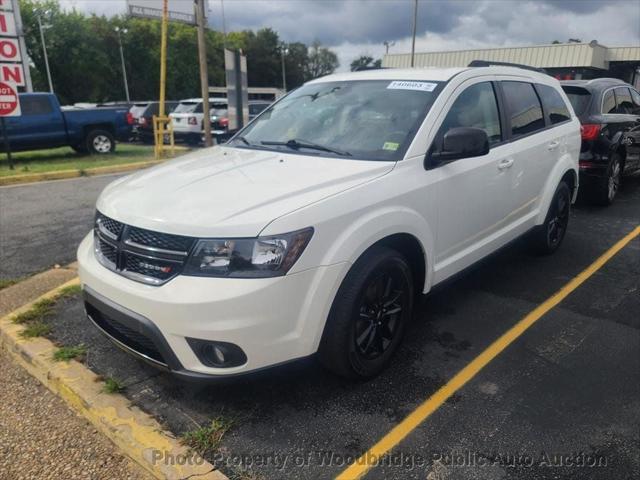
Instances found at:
x=44 y=124
x=141 y=115
x=256 y=107
x=609 y=110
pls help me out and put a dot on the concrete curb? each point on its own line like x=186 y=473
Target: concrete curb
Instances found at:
x=62 y=174
x=138 y=435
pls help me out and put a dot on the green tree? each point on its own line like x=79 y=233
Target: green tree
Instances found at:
x=322 y=61
x=365 y=61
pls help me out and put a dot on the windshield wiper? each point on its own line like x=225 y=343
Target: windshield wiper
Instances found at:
x=244 y=140
x=297 y=144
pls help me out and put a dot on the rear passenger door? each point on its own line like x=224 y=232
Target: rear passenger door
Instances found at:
x=532 y=145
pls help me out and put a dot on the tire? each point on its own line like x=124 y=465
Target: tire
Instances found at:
x=368 y=315
x=605 y=188
x=548 y=237
x=100 y=142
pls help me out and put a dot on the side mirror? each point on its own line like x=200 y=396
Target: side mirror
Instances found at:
x=461 y=142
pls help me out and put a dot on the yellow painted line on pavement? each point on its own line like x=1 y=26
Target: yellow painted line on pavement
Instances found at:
x=373 y=456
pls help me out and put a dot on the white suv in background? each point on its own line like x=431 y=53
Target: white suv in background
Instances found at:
x=188 y=117
x=316 y=226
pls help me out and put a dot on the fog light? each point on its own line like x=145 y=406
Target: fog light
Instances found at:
x=217 y=354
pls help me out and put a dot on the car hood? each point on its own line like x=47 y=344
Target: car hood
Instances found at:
x=230 y=192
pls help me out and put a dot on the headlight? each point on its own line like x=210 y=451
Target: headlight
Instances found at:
x=247 y=257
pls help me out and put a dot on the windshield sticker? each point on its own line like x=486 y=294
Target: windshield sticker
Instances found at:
x=403 y=85
x=393 y=146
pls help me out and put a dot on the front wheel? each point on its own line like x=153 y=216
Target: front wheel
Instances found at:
x=100 y=142
x=368 y=316
x=547 y=238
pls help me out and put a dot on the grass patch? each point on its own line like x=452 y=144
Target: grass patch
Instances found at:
x=36 y=329
x=112 y=385
x=207 y=439
x=56 y=159
x=64 y=354
x=69 y=291
x=8 y=283
x=40 y=309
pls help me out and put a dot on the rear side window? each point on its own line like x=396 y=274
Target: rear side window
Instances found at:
x=554 y=104
x=523 y=107
x=609 y=102
x=475 y=107
x=579 y=98
x=35 y=106
x=623 y=101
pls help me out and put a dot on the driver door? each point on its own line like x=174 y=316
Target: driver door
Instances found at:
x=474 y=197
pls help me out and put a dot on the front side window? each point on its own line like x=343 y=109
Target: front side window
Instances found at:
x=624 y=105
x=609 y=102
x=364 y=119
x=524 y=108
x=475 y=107
x=554 y=104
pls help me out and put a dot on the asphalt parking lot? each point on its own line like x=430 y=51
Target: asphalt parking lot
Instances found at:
x=561 y=402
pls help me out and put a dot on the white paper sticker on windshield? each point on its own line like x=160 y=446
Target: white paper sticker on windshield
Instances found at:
x=404 y=85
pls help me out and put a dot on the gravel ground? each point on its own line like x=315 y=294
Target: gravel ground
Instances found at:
x=41 y=438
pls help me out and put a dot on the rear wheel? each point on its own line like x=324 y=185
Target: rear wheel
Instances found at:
x=100 y=142
x=368 y=316
x=606 y=188
x=548 y=237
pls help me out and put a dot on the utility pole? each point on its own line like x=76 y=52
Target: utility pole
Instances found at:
x=204 y=74
x=284 y=51
x=413 y=40
x=44 y=50
x=124 y=69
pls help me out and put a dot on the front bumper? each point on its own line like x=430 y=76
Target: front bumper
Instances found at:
x=273 y=320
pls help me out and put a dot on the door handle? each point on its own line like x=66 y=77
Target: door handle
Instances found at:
x=506 y=163
x=553 y=145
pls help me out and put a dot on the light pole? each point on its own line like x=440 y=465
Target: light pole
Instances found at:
x=413 y=40
x=284 y=51
x=124 y=69
x=44 y=49
x=388 y=44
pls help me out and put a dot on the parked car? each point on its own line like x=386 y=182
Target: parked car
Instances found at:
x=609 y=110
x=256 y=107
x=142 y=118
x=219 y=120
x=43 y=124
x=188 y=118
x=315 y=227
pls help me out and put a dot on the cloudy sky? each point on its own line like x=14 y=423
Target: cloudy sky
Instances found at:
x=355 y=27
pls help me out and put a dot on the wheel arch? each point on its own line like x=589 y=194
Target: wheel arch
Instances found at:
x=564 y=170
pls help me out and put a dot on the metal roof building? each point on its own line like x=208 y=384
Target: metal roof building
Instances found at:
x=565 y=60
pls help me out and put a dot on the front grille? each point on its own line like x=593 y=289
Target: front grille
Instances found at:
x=139 y=254
x=130 y=338
x=164 y=241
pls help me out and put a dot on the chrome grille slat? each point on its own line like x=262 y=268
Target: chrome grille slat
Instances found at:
x=142 y=255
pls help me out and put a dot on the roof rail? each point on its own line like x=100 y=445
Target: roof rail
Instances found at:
x=490 y=63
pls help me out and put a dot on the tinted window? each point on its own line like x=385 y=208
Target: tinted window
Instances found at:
x=554 y=104
x=579 y=98
x=635 y=97
x=475 y=107
x=524 y=108
x=35 y=106
x=623 y=100
x=609 y=102
x=256 y=108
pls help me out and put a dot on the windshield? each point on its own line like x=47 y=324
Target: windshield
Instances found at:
x=189 y=107
x=365 y=119
x=579 y=98
x=218 y=110
x=138 y=109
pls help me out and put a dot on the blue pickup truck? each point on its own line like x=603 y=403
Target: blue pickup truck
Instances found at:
x=44 y=124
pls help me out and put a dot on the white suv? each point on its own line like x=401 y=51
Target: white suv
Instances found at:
x=316 y=226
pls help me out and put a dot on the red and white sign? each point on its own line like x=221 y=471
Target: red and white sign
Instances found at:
x=7 y=24
x=6 y=5
x=12 y=73
x=10 y=50
x=9 y=101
